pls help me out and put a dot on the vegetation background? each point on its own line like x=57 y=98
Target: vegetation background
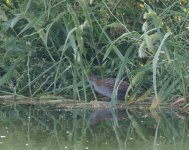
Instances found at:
x=50 y=47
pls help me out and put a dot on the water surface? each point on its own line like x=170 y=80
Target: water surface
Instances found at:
x=34 y=127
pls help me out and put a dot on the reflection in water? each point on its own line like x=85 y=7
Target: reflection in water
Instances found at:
x=105 y=114
x=32 y=127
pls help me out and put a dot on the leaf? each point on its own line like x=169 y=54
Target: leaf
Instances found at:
x=3 y=15
x=16 y=19
x=154 y=104
x=7 y=76
x=155 y=60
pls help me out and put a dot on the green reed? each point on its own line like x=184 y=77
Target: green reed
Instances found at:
x=51 y=47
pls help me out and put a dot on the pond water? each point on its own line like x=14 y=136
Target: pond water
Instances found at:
x=46 y=128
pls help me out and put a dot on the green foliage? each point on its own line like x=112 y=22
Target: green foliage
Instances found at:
x=52 y=46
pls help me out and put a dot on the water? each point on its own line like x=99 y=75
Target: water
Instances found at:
x=47 y=128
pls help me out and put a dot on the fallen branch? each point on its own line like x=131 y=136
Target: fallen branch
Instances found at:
x=66 y=103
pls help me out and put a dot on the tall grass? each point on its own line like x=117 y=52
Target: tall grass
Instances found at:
x=51 y=47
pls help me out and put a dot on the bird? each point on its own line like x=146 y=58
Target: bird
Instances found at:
x=105 y=86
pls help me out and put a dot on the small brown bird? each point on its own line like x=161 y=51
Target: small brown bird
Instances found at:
x=105 y=86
